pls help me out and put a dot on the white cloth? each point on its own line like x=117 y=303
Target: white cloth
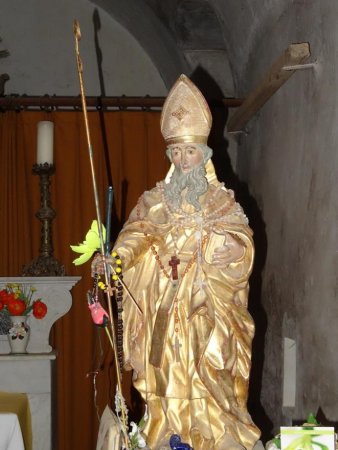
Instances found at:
x=109 y=437
x=10 y=432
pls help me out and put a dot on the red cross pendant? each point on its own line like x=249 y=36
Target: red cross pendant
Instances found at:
x=173 y=263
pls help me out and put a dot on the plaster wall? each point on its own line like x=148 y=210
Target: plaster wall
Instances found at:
x=244 y=22
x=289 y=159
x=39 y=37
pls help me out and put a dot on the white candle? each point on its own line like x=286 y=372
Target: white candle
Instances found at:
x=45 y=142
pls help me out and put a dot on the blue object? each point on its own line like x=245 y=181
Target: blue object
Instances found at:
x=176 y=444
x=109 y=204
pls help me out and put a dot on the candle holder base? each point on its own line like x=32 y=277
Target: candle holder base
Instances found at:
x=43 y=266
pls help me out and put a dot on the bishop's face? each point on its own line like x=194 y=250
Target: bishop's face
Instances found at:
x=186 y=157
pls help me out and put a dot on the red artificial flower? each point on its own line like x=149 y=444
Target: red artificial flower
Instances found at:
x=1 y=304
x=16 y=307
x=6 y=297
x=39 y=309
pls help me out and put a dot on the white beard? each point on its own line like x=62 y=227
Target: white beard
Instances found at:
x=195 y=182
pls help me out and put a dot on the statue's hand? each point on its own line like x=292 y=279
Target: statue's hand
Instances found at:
x=98 y=263
x=225 y=255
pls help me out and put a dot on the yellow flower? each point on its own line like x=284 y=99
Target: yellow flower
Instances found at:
x=90 y=245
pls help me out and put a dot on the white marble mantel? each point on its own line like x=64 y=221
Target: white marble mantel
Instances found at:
x=32 y=372
x=55 y=292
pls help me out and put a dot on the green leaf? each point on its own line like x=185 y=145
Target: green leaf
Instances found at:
x=277 y=442
x=28 y=310
x=312 y=419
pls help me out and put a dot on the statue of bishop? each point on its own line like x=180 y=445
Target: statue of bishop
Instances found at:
x=187 y=253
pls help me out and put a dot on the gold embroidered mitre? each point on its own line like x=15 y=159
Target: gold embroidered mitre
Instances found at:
x=185 y=116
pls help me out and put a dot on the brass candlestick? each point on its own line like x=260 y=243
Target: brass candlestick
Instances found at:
x=45 y=264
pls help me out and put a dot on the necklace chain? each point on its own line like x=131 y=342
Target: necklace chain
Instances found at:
x=157 y=257
x=197 y=256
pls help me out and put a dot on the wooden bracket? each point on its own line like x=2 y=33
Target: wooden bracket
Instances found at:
x=273 y=80
x=4 y=53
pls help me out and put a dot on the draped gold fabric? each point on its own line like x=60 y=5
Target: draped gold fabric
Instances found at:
x=135 y=158
x=190 y=348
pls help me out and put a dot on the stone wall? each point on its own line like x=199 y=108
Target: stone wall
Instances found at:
x=289 y=160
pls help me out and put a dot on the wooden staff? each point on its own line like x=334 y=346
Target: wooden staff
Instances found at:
x=112 y=334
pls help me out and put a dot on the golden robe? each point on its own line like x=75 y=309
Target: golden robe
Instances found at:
x=190 y=348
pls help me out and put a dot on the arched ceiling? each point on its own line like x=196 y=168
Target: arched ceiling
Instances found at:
x=185 y=35
x=141 y=21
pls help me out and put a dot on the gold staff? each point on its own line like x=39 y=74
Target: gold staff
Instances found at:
x=112 y=335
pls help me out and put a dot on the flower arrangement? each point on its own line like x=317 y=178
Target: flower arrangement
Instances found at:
x=16 y=300
x=136 y=439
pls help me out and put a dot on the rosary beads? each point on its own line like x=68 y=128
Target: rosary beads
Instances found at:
x=117 y=278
